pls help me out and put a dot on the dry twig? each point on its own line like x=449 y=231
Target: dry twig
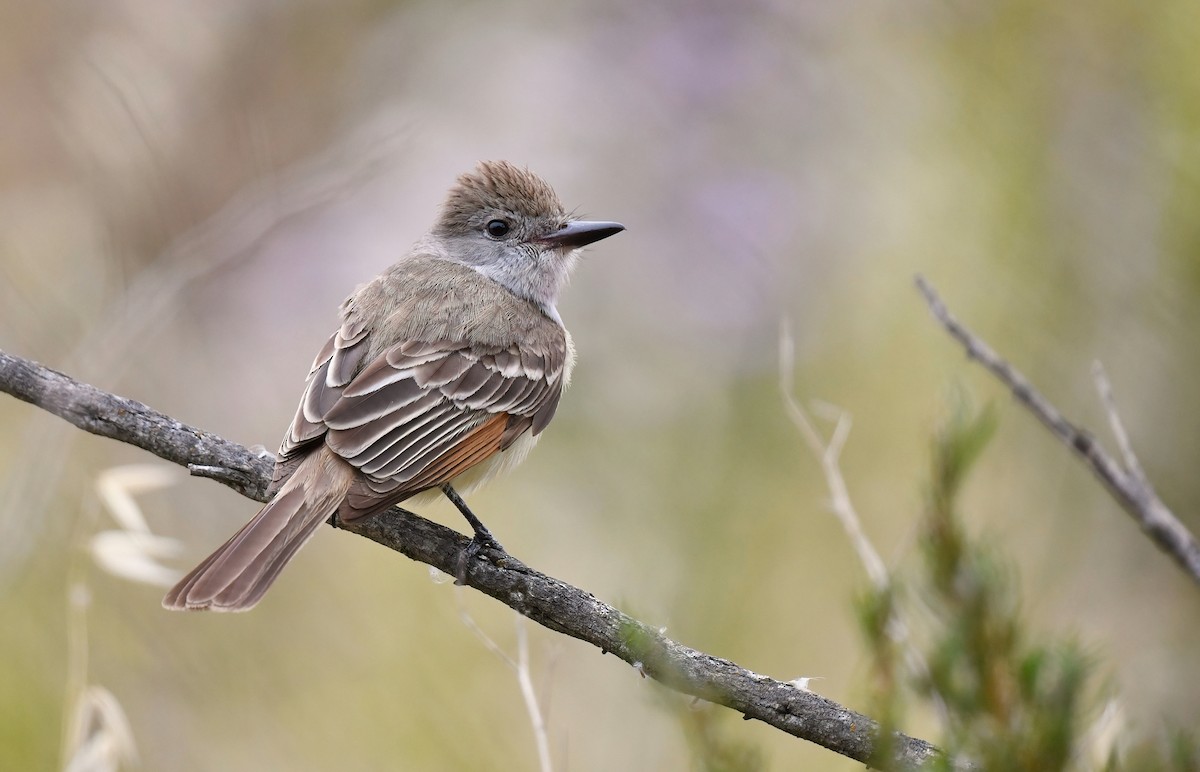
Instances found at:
x=520 y=668
x=829 y=454
x=1128 y=485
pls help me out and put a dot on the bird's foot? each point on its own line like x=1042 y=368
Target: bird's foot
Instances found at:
x=482 y=540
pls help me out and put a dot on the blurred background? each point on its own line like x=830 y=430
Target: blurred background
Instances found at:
x=173 y=175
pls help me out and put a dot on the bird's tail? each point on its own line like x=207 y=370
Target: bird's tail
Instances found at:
x=235 y=577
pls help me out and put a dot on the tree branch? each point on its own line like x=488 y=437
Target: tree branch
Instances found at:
x=1128 y=486
x=548 y=601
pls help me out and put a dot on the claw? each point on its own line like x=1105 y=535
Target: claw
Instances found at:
x=479 y=542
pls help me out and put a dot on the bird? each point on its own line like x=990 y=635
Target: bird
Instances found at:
x=444 y=371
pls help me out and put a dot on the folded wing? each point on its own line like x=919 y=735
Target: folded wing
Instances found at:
x=421 y=412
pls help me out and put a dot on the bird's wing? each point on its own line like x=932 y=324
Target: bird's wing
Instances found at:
x=338 y=361
x=422 y=412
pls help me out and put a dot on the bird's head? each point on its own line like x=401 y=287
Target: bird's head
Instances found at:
x=509 y=224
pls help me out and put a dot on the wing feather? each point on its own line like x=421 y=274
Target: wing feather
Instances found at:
x=434 y=428
x=439 y=372
x=420 y=412
x=375 y=407
x=469 y=383
x=366 y=438
x=474 y=448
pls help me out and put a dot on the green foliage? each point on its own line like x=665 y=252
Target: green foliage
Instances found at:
x=877 y=615
x=1011 y=705
x=1008 y=701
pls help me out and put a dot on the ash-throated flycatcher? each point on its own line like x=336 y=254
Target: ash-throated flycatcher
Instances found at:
x=445 y=370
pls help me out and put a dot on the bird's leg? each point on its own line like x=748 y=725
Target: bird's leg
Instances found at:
x=482 y=538
x=482 y=534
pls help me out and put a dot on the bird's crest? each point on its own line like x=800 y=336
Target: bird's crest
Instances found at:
x=499 y=187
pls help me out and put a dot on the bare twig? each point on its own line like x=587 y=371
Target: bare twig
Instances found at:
x=520 y=668
x=550 y=602
x=1104 y=389
x=829 y=454
x=529 y=695
x=1127 y=485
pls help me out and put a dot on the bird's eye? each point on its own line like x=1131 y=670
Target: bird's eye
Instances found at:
x=496 y=228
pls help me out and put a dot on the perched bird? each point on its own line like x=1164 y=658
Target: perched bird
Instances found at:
x=445 y=370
